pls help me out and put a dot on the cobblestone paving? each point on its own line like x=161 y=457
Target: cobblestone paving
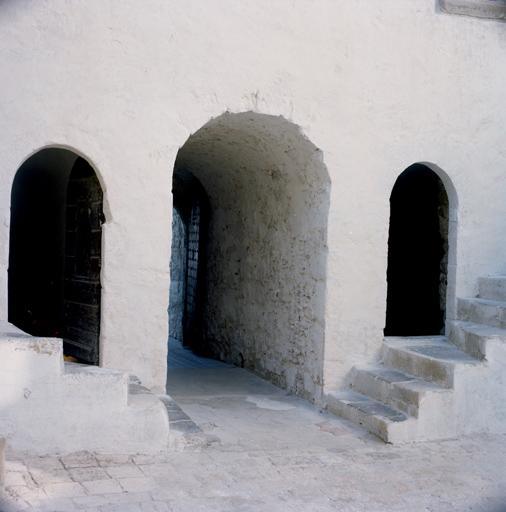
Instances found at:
x=268 y=451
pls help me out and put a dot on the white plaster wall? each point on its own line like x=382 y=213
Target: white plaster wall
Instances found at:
x=375 y=86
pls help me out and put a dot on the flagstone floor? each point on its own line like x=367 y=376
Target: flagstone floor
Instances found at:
x=267 y=451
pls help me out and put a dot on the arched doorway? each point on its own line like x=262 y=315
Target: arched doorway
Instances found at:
x=55 y=251
x=264 y=274
x=417 y=272
x=189 y=262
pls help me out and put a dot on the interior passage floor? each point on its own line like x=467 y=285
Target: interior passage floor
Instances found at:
x=268 y=451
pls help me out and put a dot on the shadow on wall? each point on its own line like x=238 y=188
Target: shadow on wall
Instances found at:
x=266 y=261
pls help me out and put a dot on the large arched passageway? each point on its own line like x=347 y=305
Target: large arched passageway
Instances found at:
x=262 y=270
x=55 y=251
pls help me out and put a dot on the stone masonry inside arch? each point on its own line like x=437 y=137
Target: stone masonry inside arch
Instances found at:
x=264 y=274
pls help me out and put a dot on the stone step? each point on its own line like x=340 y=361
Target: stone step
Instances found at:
x=472 y=338
x=108 y=412
x=432 y=359
x=184 y=435
x=482 y=311
x=381 y=419
x=97 y=385
x=492 y=288
x=393 y=387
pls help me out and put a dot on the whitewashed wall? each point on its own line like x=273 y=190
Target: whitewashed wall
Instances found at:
x=375 y=85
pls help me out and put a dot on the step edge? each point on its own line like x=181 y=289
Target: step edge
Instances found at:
x=484 y=302
x=407 y=395
x=449 y=363
x=498 y=332
x=356 y=398
x=376 y=424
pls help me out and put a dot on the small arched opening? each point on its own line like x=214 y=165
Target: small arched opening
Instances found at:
x=418 y=254
x=261 y=246
x=55 y=251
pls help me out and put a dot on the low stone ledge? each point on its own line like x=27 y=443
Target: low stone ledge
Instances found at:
x=489 y=9
x=184 y=434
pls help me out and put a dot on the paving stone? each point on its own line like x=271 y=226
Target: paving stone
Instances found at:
x=124 y=507
x=159 y=469
x=88 y=474
x=153 y=459
x=26 y=494
x=10 y=503
x=128 y=471
x=55 y=505
x=64 y=490
x=93 y=502
x=173 y=493
x=273 y=461
x=113 y=460
x=155 y=506
x=79 y=461
x=137 y=484
x=45 y=463
x=102 y=486
x=15 y=465
x=44 y=477
x=14 y=478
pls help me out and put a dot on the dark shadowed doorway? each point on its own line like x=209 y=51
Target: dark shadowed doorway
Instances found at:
x=55 y=251
x=417 y=254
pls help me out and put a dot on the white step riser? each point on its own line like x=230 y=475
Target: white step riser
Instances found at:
x=492 y=288
x=105 y=388
x=418 y=365
x=469 y=342
x=387 y=430
x=401 y=398
x=471 y=310
x=372 y=424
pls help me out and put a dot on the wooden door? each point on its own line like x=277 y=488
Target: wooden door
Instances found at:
x=191 y=334
x=83 y=242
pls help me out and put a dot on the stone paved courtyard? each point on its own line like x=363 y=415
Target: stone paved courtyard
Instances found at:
x=268 y=451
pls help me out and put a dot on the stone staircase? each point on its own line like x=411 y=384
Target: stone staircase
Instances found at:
x=48 y=406
x=436 y=387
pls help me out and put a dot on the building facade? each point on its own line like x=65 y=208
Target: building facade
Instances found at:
x=279 y=131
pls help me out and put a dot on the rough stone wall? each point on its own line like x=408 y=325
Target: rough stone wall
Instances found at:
x=177 y=276
x=444 y=225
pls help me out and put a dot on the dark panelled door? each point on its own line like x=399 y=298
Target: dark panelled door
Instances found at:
x=191 y=333
x=83 y=242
